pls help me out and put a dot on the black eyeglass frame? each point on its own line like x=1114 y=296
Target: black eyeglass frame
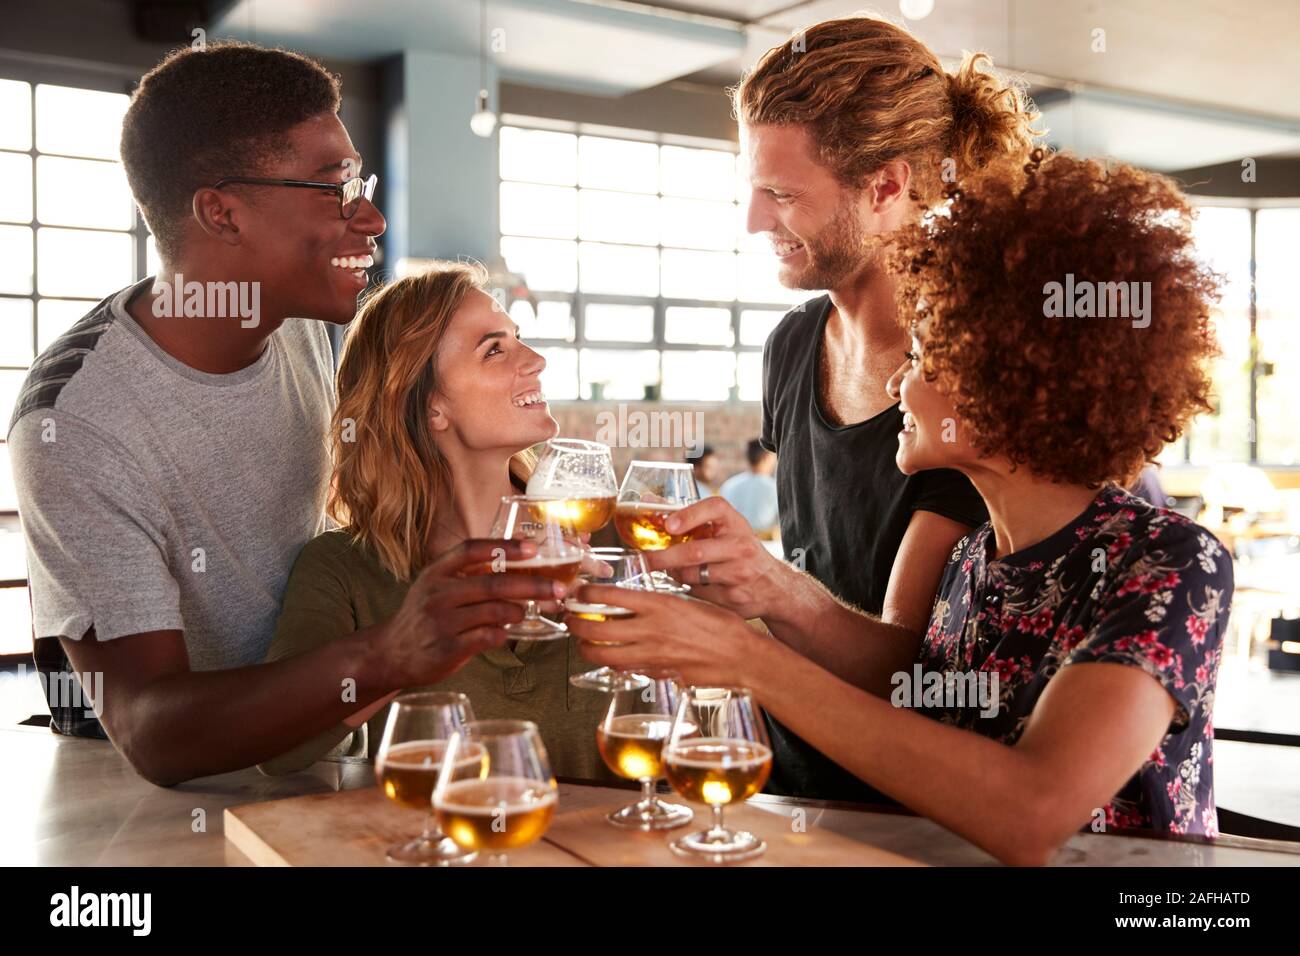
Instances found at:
x=365 y=188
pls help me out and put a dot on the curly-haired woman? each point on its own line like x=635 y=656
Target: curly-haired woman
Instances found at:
x=1092 y=620
x=434 y=425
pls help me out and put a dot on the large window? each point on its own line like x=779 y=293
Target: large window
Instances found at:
x=635 y=247
x=1257 y=408
x=69 y=235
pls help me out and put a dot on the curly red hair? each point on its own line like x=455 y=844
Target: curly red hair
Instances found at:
x=1080 y=400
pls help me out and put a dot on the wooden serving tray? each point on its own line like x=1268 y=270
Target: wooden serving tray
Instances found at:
x=355 y=827
x=347 y=828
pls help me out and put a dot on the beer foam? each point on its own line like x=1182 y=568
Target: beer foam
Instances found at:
x=650 y=506
x=761 y=753
x=545 y=561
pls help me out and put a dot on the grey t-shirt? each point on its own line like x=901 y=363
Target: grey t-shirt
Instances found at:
x=157 y=497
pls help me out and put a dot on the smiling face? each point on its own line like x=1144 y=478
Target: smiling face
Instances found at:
x=309 y=259
x=819 y=227
x=931 y=437
x=489 y=386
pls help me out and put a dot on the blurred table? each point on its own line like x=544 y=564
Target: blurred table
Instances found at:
x=75 y=802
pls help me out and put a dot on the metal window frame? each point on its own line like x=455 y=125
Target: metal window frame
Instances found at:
x=578 y=300
x=138 y=231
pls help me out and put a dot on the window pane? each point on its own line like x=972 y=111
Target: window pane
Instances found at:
x=552 y=320
x=79 y=122
x=73 y=262
x=618 y=164
x=749 y=376
x=539 y=156
x=16 y=108
x=756 y=325
x=607 y=322
x=528 y=210
x=152 y=264
x=699 y=275
x=697 y=326
x=560 y=377
x=749 y=241
x=82 y=192
x=698 y=225
x=1277 y=288
x=547 y=265
x=618 y=217
x=16 y=196
x=619 y=270
x=759 y=282
x=702 y=173
x=623 y=373
x=15 y=333
x=698 y=376
x=1222 y=240
x=10 y=384
x=16 y=259
x=56 y=316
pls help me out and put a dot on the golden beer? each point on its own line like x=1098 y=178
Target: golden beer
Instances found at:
x=585 y=514
x=717 y=770
x=408 y=772
x=641 y=525
x=563 y=569
x=600 y=613
x=496 y=814
x=632 y=744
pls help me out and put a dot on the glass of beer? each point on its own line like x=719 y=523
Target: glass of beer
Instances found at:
x=582 y=474
x=651 y=491
x=505 y=801
x=620 y=567
x=559 y=555
x=631 y=740
x=406 y=768
x=717 y=753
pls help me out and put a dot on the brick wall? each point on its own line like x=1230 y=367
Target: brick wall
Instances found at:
x=659 y=431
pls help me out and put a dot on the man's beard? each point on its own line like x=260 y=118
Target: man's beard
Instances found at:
x=836 y=254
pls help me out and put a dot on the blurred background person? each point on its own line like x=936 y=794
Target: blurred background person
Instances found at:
x=753 y=491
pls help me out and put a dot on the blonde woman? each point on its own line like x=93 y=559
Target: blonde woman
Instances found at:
x=439 y=404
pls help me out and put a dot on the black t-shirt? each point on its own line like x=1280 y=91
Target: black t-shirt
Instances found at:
x=845 y=507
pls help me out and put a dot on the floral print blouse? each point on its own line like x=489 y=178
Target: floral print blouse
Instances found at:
x=1125 y=583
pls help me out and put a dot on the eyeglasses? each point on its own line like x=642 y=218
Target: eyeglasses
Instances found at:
x=349 y=192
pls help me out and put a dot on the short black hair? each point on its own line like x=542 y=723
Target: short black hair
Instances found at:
x=203 y=114
x=695 y=456
x=754 y=451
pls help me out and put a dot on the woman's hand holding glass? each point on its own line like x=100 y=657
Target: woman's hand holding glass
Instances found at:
x=742 y=574
x=667 y=635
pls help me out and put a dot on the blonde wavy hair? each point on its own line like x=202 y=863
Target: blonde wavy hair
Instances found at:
x=388 y=473
x=869 y=93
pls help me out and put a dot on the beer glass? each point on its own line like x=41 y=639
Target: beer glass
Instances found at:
x=407 y=764
x=631 y=740
x=506 y=801
x=559 y=555
x=651 y=491
x=717 y=753
x=581 y=473
x=620 y=567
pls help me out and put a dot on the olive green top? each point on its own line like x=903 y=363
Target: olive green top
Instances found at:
x=337 y=587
